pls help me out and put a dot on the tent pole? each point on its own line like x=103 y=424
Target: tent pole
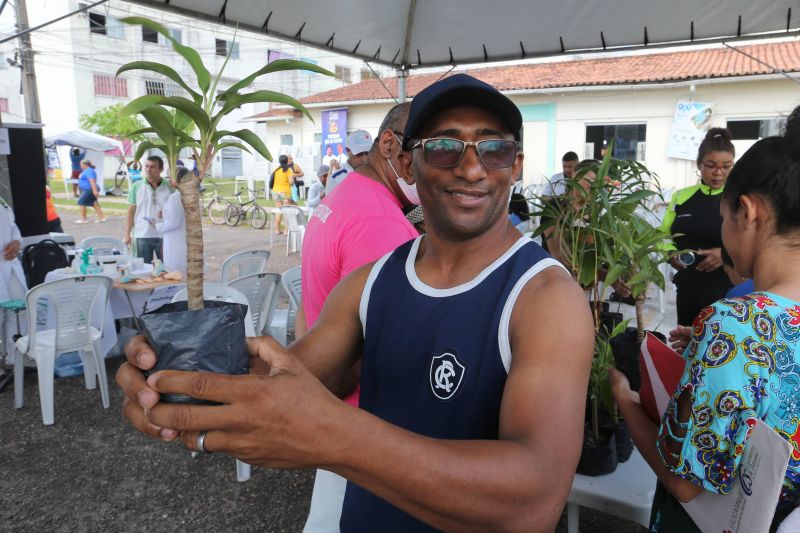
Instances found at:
x=402 y=77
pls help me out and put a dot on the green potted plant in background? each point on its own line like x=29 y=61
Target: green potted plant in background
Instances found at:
x=600 y=231
x=193 y=121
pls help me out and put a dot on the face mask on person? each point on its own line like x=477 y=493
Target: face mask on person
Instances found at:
x=409 y=191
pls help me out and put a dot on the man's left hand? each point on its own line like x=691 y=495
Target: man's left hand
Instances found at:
x=621 y=388
x=11 y=250
x=277 y=419
x=712 y=259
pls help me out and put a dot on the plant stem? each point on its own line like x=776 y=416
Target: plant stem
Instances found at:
x=189 y=188
x=640 y=318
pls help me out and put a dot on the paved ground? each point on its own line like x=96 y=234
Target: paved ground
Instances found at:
x=91 y=472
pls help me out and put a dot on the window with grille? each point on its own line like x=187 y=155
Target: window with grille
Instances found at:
x=110 y=86
x=162 y=88
x=222 y=46
x=177 y=35
x=3 y=105
x=630 y=140
x=343 y=73
x=287 y=140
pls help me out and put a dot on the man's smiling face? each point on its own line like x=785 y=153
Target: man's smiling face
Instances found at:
x=466 y=200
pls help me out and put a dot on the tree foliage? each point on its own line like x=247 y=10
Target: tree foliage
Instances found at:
x=109 y=122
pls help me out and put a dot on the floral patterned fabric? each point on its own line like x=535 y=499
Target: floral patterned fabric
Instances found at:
x=743 y=362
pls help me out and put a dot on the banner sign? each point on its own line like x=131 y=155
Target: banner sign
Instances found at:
x=689 y=127
x=334 y=132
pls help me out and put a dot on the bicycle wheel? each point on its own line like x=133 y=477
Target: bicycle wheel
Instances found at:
x=258 y=217
x=233 y=215
x=216 y=210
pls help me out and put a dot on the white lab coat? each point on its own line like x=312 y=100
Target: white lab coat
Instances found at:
x=173 y=228
x=12 y=282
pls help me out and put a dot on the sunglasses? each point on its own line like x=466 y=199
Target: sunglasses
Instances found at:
x=447 y=153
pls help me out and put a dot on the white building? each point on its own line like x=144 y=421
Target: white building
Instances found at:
x=11 y=104
x=576 y=104
x=77 y=58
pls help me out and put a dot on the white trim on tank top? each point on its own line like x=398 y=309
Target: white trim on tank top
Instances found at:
x=427 y=290
x=364 y=303
x=503 y=341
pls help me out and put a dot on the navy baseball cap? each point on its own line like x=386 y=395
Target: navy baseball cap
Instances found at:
x=459 y=89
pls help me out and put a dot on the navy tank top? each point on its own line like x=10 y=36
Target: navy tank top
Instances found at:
x=435 y=361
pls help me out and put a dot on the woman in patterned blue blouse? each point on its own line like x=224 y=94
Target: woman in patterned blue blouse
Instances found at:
x=743 y=359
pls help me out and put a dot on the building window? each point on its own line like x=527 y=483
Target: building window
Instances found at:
x=162 y=88
x=343 y=73
x=222 y=46
x=97 y=23
x=287 y=140
x=755 y=129
x=110 y=86
x=177 y=35
x=367 y=74
x=3 y=105
x=629 y=140
x=318 y=137
x=149 y=35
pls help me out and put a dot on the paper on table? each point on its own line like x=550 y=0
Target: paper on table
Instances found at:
x=750 y=506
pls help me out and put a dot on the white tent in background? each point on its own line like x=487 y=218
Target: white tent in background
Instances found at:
x=408 y=34
x=95 y=145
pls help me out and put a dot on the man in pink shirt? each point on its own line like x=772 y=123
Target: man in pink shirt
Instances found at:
x=360 y=222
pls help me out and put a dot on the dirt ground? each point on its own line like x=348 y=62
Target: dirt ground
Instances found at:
x=91 y=472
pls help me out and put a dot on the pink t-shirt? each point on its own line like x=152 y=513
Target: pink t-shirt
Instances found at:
x=360 y=222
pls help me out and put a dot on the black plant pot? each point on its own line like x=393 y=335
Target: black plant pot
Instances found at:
x=597 y=458
x=608 y=319
x=623 y=441
x=209 y=340
x=626 y=349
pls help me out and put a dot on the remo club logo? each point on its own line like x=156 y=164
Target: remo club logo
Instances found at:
x=446 y=375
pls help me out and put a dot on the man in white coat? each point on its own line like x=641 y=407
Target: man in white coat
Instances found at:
x=173 y=228
x=12 y=278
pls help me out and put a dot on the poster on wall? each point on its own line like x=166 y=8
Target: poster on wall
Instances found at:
x=691 y=122
x=334 y=132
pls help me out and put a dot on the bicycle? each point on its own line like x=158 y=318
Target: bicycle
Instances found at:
x=235 y=213
x=215 y=208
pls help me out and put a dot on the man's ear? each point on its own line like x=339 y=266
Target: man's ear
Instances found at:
x=405 y=167
x=387 y=144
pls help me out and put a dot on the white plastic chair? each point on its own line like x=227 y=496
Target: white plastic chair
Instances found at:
x=296 y=227
x=292 y=285
x=262 y=293
x=243 y=264
x=217 y=291
x=102 y=245
x=73 y=300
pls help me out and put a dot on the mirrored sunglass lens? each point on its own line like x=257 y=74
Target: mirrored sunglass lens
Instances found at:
x=443 y=152
x=497 y=154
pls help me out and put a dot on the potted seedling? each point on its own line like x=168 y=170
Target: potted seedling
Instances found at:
x=599 y=231
x=193 y=121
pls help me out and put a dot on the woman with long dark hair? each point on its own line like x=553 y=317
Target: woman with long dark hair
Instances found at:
x=743 y=356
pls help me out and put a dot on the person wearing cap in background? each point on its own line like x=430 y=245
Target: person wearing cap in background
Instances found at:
x=317 y=190
x=359 y=144
x=475 y=349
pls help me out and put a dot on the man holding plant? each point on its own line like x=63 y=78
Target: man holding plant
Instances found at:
x=463 y=348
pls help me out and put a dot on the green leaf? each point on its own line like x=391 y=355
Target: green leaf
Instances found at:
x=275 y=66
x=249 y=137
x=164 y=70
x=138 y=104
x=233 y=145
x=147 y=145
x=190 y=55
x=196 y=113
x=161 y=121
x=614 y=273
x=236 y=100
x=142 y=131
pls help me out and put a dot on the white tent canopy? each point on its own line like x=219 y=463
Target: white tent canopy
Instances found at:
x=410 y=34
x=84 y=139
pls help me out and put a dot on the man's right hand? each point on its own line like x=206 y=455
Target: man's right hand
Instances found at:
x=126 y=240
x=139 y=397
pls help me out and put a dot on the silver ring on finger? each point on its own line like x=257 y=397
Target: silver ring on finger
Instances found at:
x=200 y=443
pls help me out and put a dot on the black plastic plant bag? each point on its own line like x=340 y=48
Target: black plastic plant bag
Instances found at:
x=208 y=340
